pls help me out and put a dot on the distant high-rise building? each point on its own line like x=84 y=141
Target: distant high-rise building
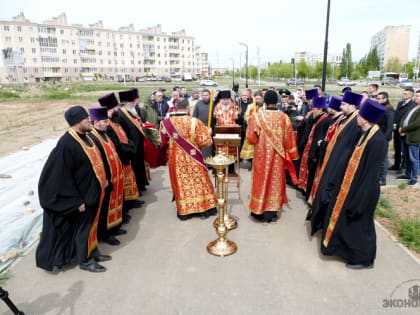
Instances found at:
x=392 y=42
x=312 y=58
x=57 y=51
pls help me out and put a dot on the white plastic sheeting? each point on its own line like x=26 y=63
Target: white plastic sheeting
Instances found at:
x=20 y=212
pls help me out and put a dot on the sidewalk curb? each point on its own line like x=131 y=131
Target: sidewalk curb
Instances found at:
x=393 y=238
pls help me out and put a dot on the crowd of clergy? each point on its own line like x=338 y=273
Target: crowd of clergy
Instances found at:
x=330 y=148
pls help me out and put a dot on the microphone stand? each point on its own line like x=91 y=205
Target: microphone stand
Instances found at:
x=4 y=295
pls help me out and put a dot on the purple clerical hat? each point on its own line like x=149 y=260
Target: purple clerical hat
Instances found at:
x=109 y=101
x=126 y=96
x=310 y=94
x=335 y=103
x=352 y=98
x=135 y=92
x=319 y=102
x=372 y=111
x=223 y=94
x=98 y=113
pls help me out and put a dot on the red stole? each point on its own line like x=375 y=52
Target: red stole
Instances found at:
x=137 y=122
x=277 y=143
x=130 y=185
x=94 y=156
x=304 y=171
x=189 y=148
x=117 y=179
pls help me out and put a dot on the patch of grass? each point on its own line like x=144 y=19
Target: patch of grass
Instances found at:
x=403 y=186
x=385 y=213
x=8 y=95
x=404 y=198
x=409 y=233
x=56 y=95
x=384 y=203
x=384 y=209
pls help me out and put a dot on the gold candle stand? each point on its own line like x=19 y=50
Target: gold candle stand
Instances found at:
x=221 y=246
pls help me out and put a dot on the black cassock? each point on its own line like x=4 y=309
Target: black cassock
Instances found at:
x=66 y=182
x=354 y=236
x=137 y=159
x=332 y=177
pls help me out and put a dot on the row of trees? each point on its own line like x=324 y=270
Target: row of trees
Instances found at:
x=347 y=68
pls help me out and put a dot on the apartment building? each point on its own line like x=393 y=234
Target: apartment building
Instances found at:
x=312 y=58
x=57 y=51
x=392 y=42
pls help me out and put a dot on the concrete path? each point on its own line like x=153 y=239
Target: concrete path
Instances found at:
x=162 y=267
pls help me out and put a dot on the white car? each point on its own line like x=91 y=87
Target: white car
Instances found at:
x=208 y=83
x=346 y=82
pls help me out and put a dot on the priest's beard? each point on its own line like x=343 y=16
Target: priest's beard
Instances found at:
x=133 y=111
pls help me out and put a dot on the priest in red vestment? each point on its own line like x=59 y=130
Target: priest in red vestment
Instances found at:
x=191 y=185
x=271 y=132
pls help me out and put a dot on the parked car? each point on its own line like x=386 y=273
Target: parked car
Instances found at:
x=208 y=83
x=294 y=82
x=346 y=82
x=406 y=84
x=389 y=82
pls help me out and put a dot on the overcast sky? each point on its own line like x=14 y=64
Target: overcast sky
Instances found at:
x=277 y=27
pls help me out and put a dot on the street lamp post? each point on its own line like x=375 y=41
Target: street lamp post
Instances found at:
x=246 y=64
x=324 y=64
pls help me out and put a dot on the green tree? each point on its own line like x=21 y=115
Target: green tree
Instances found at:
x=346 y=66
x=253 y=72
x=394 y=65
x=302 y=69
x=372 y=60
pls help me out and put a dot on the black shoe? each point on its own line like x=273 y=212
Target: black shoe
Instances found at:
x=101 y=257
x=412 y=182
x=403 y=176
x=359 y=266
x=138 y=203
x=394 y=168
x=126 y=218
x=111 y=240
x=92 y=266
x=120 y=232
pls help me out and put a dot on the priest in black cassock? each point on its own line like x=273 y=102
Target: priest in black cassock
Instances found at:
x=349 y=228
x=131 y=122
x=70 y=190
x=337 y=155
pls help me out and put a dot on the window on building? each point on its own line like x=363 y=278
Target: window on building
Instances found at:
x=64 y=51
x=19 y=28
x=34 y=60
x=61 y=32
x=8 y=39
x=20 y=39
x=6 y=28
x=34 y=50
x=22 y=50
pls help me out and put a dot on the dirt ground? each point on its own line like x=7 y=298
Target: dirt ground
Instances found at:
x=24 y=124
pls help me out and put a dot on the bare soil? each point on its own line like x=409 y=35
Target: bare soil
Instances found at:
x=23 y=124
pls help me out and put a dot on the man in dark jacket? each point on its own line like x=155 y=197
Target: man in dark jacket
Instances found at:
x=410 y=128
x=386 y=124
x=402 y=107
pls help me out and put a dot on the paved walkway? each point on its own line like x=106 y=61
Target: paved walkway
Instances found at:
x=162 y=267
